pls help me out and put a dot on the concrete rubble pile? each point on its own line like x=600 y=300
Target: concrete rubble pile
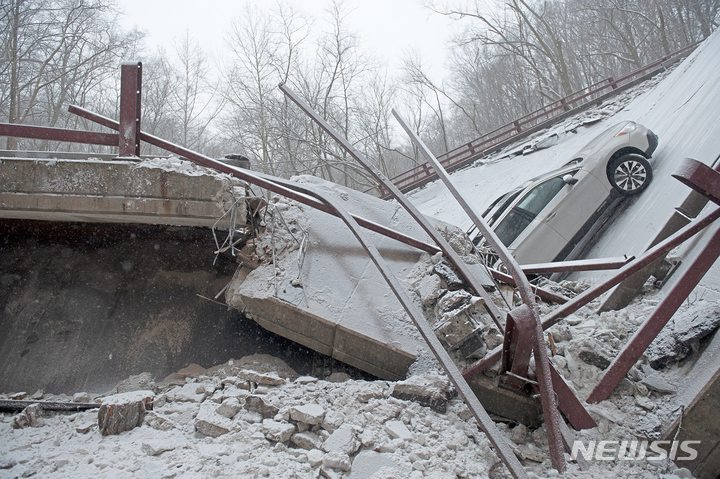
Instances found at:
x=234 y=421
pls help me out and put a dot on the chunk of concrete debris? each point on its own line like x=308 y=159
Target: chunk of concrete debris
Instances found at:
x=138 y=382
x=453 y=300
x=315 y=457
x=159 y=422
x=398 y=430
x=18 y=396
x=657 y=383
x=306 y=440
x=430 y=391
x=448 y=275
x=682 y=334
x=368 y=462
x=37 y=394
x=337 y=460
x=372 y=391
x=81 y=397
x=277 y=431
x=430 y=289
x=156 y=447
x=229 y=407
x=309 y=413
x=343 y=440
x=260 y=406
x=29 y=417
x=209 y=423
x=332 y=421
x=185 y=393
x=123 y=412
x=265 y=379
x=593 y=352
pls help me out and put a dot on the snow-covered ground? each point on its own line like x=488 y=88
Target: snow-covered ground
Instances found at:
x=681 y=107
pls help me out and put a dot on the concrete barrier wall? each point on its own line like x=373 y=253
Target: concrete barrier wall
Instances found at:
x=161 y=191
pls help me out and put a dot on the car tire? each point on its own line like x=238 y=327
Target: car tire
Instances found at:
x=629 y=174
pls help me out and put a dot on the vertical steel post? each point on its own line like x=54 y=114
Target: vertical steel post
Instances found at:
x=130 y=85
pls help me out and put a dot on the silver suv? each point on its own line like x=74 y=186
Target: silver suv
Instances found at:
x=551 y=217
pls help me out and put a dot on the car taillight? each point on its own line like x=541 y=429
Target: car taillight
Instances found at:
x=628 y=128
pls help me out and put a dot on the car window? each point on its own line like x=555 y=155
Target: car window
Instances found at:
x=527 y=209
x=541 y=195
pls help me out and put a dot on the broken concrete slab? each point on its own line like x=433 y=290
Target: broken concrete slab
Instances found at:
x=209 y=422
x=683 y=334
x=336 y=303
x=260 y=406
x=123 y=412
x=311 y=414
x=431 y=391
x=28 y=417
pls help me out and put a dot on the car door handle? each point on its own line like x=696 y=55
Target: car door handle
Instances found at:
x=550 y=216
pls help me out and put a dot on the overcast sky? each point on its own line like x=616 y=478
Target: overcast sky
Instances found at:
x=387 y=29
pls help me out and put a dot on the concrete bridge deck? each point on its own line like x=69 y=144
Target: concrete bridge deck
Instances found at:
x=160 y=191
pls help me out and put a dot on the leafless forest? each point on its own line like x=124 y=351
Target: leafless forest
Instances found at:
x=505 y=63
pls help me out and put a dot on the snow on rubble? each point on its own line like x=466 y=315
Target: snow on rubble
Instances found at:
x=255 y=417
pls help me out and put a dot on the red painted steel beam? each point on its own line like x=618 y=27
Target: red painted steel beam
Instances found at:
x=58 y=134
x=595 y=264
x=275 y=185
x=568 y=403
x=588 y=295
x=700 y=177
x=657 y=321
x=529 y=309
x=130 y=78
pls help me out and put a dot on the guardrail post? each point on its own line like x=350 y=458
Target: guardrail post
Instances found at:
x=130 y=91
x=517 y=126
x=612 y=82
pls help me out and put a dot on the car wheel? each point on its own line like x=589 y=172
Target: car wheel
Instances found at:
x=629 y=174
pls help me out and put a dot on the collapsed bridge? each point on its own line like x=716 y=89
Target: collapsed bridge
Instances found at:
x=394 y=254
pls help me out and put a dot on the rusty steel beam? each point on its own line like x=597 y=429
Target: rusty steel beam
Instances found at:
x=447 y=250
x=130 y=90
x=530 y=308
x=657 y=321
x=587 y=296
x=302 y=194
x=275 y=185
x=700 y=177
x=58 y=134
x=541 y=293
x=595 y=264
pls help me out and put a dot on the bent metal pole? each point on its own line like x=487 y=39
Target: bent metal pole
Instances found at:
x=542 y=363
x=447 y=250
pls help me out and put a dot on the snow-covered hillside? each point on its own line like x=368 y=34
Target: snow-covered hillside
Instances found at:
x=681 y=107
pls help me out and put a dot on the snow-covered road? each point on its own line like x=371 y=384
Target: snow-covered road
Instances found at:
x=683 y=108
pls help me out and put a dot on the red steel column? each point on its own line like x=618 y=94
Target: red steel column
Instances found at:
x=130 y=89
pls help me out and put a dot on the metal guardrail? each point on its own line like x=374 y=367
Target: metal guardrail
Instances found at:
x=524 y=126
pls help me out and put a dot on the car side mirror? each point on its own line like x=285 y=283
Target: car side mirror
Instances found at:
x=570 y=179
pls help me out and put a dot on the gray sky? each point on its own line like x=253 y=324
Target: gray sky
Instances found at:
x=387 y=29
